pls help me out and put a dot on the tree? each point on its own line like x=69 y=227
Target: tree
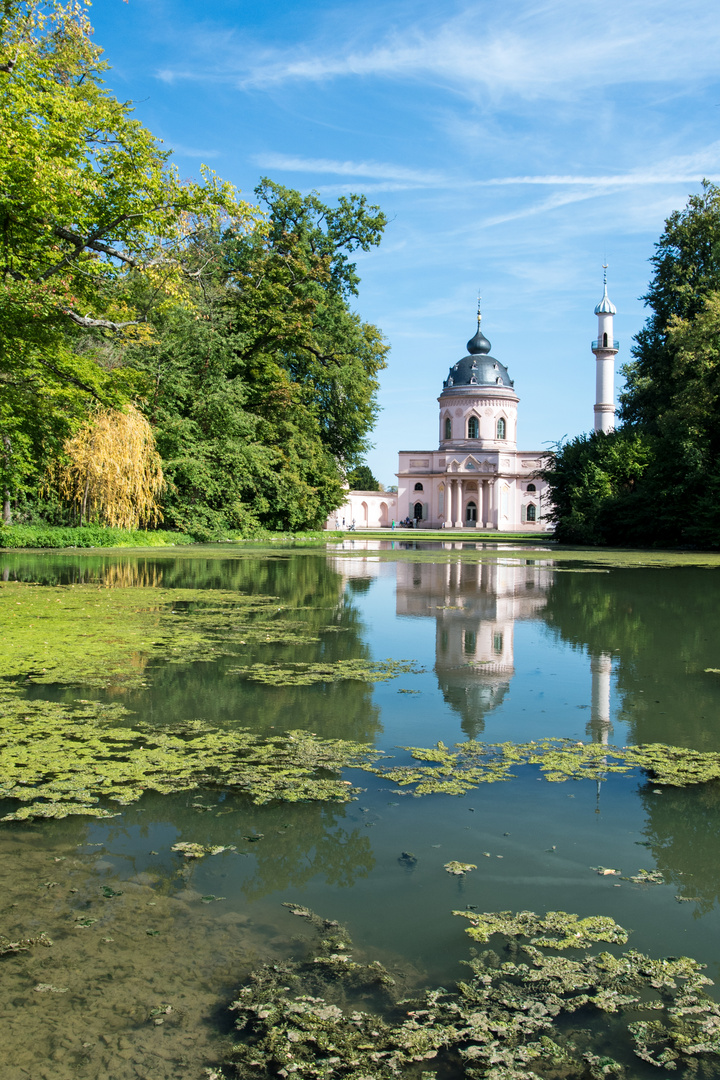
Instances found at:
x=593 y=480
x=88 y=202
x=361 y=479
x=292 y=289
x=113 y=473
x=656 y=480
x=686 y=270
x=262 y=394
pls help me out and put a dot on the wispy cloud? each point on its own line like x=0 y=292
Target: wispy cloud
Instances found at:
x=376 y=169
x=680 y=169
x=536 y=51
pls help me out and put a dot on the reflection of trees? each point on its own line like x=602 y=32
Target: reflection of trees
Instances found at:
x=661 y=624
x=310 y=594
x=683 y=832
x=298 y=842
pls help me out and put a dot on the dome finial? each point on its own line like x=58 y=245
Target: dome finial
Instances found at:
x=605 y=307
x=479 y=343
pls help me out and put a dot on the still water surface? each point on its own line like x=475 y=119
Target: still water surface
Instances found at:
x=508 y=644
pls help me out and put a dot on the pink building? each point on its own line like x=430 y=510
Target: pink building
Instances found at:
x=477 y=478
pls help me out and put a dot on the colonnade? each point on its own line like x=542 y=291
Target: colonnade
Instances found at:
x=456 y=492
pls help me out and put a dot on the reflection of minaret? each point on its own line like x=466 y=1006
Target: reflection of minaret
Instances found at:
x=475 y=605
x=601 y=668
x=599 y=727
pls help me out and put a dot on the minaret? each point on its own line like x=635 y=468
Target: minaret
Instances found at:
x=605 y=349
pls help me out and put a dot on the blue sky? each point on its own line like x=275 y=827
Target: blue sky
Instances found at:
x=514 y=146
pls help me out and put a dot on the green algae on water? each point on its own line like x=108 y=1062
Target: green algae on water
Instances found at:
x=459 y=869
x=306 y=674
x=460 y=769
x=58 y=760
x=95 y=635
x=61 y=759
x=8 y=947
x=523 y=1012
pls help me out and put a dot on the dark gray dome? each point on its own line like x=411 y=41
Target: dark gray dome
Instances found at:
x=478 y=344
x=478 y=370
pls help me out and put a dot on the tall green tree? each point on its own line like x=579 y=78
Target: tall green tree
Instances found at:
x=686 y=268
x=264 y=393
x=88 y=201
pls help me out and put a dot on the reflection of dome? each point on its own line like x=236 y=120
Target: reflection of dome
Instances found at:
x=472 y=700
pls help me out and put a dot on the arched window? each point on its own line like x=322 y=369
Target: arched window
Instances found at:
x=448 y=428
x=473 y=428
x=501 y=428
x=531 y=512
x=604 y=341
x=419 y=487
x=531 y=487
x=471 y=512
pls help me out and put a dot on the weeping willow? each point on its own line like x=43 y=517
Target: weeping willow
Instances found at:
x=113 y=473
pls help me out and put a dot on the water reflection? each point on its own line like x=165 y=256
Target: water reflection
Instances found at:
x=661 y=627
x=475 y=607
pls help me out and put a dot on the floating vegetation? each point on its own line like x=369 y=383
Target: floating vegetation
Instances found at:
x=198 y=851
x=460 y=769
x=459 y=869
x=283 y=673
x=61 y=759
x=647 y=877
x=554 y=930
x=523 y=1012
x=92 y=635
x=23 y=945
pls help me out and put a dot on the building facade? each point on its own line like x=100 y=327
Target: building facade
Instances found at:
x=477 y=478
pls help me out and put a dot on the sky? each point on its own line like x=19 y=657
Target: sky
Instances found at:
x=515 y=147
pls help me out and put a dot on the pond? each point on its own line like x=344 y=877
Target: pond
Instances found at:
x=487 y=643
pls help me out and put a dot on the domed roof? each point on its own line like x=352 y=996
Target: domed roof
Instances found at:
x=478 y=368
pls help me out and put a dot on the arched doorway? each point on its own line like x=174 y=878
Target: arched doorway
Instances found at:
x=364 y=508
x=418 y=511
x=471 y=513
x=383 y=513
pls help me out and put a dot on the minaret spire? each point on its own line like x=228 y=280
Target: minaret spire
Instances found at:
x=605 y=349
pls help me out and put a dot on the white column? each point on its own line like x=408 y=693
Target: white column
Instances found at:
x=448 y=503
x=487 y=500
x=459 y=505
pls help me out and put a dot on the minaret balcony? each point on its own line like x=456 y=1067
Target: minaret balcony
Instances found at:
x=597 y=344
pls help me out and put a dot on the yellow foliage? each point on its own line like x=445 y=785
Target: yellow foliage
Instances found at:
x=113 y=474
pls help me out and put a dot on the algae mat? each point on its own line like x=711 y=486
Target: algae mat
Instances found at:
x=97 y=636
